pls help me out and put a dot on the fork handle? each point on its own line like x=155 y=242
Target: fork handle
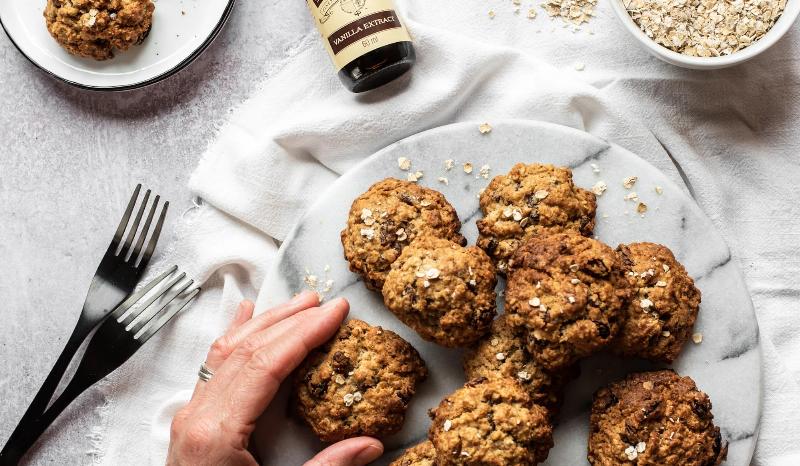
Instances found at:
x=33 y=415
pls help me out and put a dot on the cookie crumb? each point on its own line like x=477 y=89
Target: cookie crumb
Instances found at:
x=444 y=180
x=449 y=164
x=414 y=177
x=484 y=172
x=659 y=190
x=580 y=66
x=467 y=167
x=485 y=128
x=697 y=338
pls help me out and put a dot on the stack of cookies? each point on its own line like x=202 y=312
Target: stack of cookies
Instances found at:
x=568 y=296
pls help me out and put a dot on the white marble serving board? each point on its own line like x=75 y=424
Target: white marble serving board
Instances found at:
x=726 y=365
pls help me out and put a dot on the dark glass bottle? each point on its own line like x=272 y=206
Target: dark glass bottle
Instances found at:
x=365 y=39
x=378 y=67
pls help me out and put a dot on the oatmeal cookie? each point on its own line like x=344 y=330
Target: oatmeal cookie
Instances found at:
x=662 y=311
x=386 y=218
x=359 y=383
x=423 y=454
x=567 y=293
x=503 y=354
x=95 y=28
x=443 y=290
x=527 y=202
x=654 y=419
x=490 y=423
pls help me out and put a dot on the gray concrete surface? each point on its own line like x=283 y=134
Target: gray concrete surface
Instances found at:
x=69 y=160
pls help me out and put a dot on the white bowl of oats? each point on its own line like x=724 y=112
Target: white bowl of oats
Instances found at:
x=707 y=34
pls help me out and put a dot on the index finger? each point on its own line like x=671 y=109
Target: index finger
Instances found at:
x=287 y=345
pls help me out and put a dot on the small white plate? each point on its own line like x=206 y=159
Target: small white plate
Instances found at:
x=182 y=30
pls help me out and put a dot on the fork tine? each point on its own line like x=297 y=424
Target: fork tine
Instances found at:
x=164 y=290
x=123 y=308
x=123 y=253
x=125 y=218
x=151 y=246
x=156 y=325
x=140 y=242
x=143 y=322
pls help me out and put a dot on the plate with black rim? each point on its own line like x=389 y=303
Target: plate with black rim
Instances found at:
x=181 y=31
x=726 y=364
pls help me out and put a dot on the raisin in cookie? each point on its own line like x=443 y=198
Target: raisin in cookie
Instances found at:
x=386 y=218
x=527 y=202
x=567 y=293
x=359 y=383
x=422 y=454
x=662 y=311
x=654 y=419
x=490 y=423
x=442 y=290
x=94 y=28
x=503 y=354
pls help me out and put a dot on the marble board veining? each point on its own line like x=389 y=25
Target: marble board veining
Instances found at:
x=726 y=365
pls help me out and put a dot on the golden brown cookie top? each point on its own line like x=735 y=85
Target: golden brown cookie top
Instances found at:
x=663 y=309
x=94 y=28
x=490 y=423
x=654 y=418
x=567 y=292
x=442 y=290
x=359 y=383
x=529 y=201
x=386 y=218
x=502 y=353
x=422 y=454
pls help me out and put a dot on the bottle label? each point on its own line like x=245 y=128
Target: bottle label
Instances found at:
x=351 y=28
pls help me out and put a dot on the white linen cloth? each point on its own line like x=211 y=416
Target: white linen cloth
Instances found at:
x=733 y=132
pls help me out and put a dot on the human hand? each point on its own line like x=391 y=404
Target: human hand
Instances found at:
x=249 y=363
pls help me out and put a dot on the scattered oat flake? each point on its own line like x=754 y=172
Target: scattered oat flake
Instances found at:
x=599 y=188
x=580 y=66
x=659 y=190
x=630 y=181
x=665 y=333
x=574 y=12
x=414 y=177
x=467 y=167
x=574 y=267
x=339 y=379
x=447 y=425
x=432 y=273
x=595 y=168
x=574 y=281
x=443 y=180
x=661 y=283
x=449 y=164
x=348 y=399
x=485 y=128
x=632 y=196
x=524 y=375
x=404 y=163
x=641 y=446
x=697 y=338
x=484 y=171
x=500 y=356
x=645 y=303
x=571 y=299
x=368 y=233
x=541 y=194
x=535 y=302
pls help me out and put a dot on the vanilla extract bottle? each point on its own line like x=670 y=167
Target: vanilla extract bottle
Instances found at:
x=366 y=40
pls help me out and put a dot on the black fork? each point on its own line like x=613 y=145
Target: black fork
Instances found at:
x=116 y=277
x=131 y=324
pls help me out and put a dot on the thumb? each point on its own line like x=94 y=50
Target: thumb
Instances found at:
x=357 y=451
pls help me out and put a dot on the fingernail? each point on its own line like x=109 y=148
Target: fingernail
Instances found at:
x=369 y=454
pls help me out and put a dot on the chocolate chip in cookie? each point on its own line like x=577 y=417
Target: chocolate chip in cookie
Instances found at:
x=359 y=383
